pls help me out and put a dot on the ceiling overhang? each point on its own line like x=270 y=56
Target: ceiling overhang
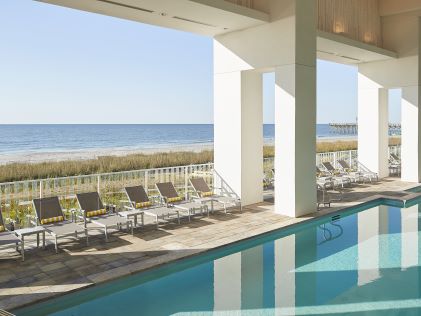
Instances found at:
x=392 y=7
x=214 y=17
x=340 y=49
x=205 y=17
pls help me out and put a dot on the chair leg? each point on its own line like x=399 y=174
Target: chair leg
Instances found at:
x=22 y=252
x=178 y=217
x=106 y=233
x=55 y=243
x=87 y=238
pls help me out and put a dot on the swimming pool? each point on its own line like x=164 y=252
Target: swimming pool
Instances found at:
x=364 y=262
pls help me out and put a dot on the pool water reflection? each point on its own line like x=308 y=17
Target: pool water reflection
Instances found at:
x=365 y=263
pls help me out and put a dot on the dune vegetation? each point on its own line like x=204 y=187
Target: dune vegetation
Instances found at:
x=23 y=171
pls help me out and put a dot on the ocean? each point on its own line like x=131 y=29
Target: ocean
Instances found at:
x=27 y=139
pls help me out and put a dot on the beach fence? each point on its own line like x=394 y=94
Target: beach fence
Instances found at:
x=16 y=197
x=350 y=156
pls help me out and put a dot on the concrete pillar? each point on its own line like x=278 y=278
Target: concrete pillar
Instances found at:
x=411 y=138
x=409 y=240
x=373 y=126
x=227 y=283
x=368 y=245
x=287 y=46
x=285 y=273
x=295 y=119
x=252 y=278
x=384 y=233
x=238 y=133
x=306 y=254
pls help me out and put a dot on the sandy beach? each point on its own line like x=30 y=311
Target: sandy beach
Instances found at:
x=36 y=157
x=49 y=156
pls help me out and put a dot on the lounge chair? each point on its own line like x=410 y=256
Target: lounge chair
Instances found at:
x=9 y=238
x=94 y=211
x=269 y=179
x=140 y=204
x=324 y=180
x=338 y=177
x=363 y=174
x=206 y=195
x=171 y=198
x=340 y=173
x=394 y=164
x=323 y=197
x=50 y=215
x=395 y=159
x=355 y=175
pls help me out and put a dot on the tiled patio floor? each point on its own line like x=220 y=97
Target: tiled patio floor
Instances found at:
x=45 y=274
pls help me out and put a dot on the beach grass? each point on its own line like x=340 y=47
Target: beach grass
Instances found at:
x=103 y=164
x=24 y=171
x=328 y=146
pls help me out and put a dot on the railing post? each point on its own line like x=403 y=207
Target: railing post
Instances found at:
x=40 y=189
x=146 y=181
x=98 y=184
x=350 y=159
x=334 y=159
x=186 y=181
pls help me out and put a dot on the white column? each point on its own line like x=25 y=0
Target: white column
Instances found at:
x=383 y=232
x=368 y=245
x=411 y=138
x=295 y=120
x=373 y=126
x=285 y=274
x=227 y=283
x=409 y=237
x=252 y=278
x=238 y=134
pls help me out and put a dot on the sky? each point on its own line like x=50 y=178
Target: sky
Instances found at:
x=59 y=65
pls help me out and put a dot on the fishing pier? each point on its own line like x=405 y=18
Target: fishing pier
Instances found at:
x=352 y=128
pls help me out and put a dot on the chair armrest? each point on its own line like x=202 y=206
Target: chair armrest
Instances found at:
x=79 y=214
x=111 y=207
x=32 y=219
x=195 y=195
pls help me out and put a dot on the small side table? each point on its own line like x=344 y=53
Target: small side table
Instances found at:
x=21 y=233
x=205 y=200
x=133 y=213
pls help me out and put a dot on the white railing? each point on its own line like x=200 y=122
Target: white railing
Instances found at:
x=350 y=156
x=16 y=197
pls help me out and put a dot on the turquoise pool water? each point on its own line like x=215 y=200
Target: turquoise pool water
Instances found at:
x=415 y=190
x=364 y=263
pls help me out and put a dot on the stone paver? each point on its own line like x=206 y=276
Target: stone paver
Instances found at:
x=45 y=274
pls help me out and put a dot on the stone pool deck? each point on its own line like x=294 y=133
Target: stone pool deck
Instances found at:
x=45 y=274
